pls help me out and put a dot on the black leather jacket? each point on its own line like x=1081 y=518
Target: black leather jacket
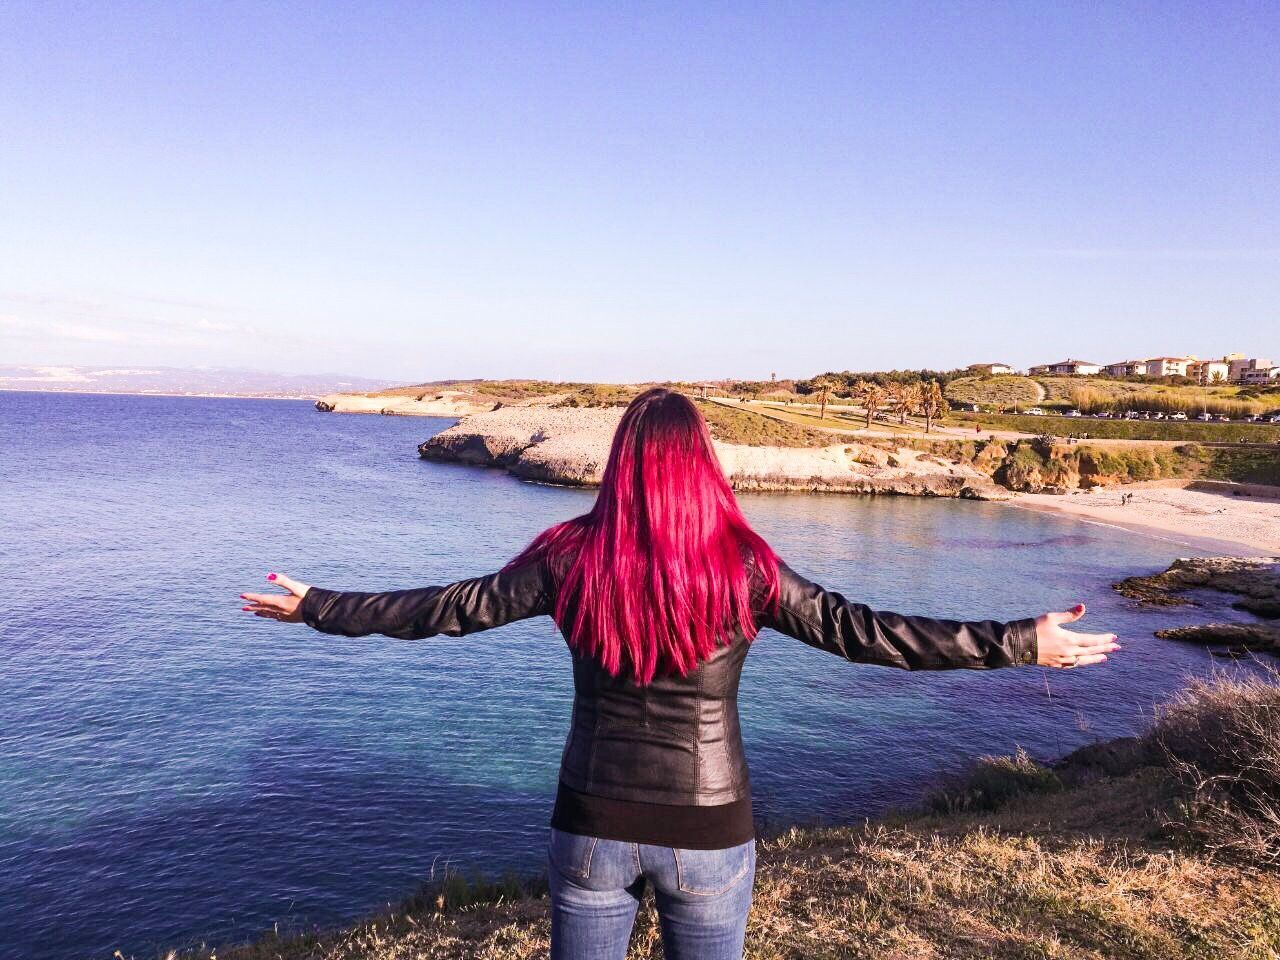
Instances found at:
x=676 y=740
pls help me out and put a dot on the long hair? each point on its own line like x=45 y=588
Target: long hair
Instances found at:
x=655 y=577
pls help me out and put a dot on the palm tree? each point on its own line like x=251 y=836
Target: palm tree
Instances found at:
x=912 y=395
x=901 y=395
x=872 y=396
x=823 y=387
x=932 y=403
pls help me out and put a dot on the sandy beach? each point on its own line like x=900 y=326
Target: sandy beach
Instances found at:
x=1207 y=517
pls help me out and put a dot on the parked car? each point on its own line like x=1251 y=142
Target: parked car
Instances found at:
x=1275 y=419
x=1035 y=412
x=1074 y=413
x=1178 y=416
x=1221 y=419
x=1204 y=416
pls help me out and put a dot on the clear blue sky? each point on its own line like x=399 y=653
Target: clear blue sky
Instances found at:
x=608 y=191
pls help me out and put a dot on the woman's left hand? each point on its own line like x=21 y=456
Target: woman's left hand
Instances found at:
x=1066 y=648
x=285 y=607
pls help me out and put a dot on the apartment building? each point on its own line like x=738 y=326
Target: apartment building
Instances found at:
x=1074 y=368
x=990 y=368
x=1261 y=375
x=1168 y=366
x=1242 y=368
x=1126 y=368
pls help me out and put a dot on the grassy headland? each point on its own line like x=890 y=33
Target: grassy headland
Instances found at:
x=1154 y=848
x=1187 y=449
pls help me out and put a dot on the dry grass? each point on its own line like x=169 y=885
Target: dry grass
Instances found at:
x=1221 y=740
x=745 y=426
x=1001 y=390
x=1115 y=853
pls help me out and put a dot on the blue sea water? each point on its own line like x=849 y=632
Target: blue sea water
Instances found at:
x=173 y=770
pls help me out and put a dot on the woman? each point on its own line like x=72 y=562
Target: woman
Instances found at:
x=659 y=591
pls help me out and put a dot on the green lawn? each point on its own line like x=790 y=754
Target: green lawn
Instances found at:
x=1125 y=429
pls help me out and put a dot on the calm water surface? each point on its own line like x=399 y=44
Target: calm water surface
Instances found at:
x=171 y=769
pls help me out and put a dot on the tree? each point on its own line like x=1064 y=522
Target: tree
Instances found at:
x=904 y=397
x=915 y=397
x=822 y=387
x=932 y=403
x=872 y=396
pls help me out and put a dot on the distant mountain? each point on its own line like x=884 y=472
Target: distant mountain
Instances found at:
x=215 y=381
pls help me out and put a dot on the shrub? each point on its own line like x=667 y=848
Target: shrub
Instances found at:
x=1220 y=738
x=1157 y=402
x=992 y=783
x=1091 y=400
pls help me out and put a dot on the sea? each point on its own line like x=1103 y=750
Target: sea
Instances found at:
x=174 y=771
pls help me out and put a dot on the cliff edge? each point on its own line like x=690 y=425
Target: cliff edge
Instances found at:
x=571 y=445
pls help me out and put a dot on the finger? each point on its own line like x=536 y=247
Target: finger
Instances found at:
x=275 y=600
x=290 y=584
x=1093 y=642
x=1069 y=616
x=1088 y=661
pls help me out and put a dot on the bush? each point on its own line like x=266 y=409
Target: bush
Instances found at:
x=1154 y=402
x=992 y=783
x=1220 y=739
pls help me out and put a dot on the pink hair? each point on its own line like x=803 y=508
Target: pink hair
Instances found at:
x=655 y=577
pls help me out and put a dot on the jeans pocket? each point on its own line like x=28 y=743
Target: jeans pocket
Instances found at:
x=709 y=872
x=570 y=853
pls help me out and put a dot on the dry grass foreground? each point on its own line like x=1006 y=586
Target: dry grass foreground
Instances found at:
x=1161 y=847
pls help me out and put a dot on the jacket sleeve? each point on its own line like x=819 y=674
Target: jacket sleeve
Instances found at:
x=826 y=620
x=457 y=609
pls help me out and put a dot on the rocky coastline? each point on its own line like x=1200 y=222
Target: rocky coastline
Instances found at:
x=440 y=403
x=1255 y=580
x=570 y=446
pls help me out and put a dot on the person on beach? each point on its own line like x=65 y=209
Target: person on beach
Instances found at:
x=659 y=591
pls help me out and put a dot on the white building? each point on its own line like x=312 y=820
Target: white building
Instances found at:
x=1263 y=375
x=1126 y=368
x=991 y=368
x=1205 y=372
x=1241 y=366
x=1075 y=368
x=1168 y=366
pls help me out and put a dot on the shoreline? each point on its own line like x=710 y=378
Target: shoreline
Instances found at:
x=1215 y=523
x=194 y=396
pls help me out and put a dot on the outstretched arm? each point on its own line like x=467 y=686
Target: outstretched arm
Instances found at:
x=826 y=620
x=456 y=609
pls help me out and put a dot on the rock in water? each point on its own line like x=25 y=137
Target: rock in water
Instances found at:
x=1236 y=637
x=1257 y=579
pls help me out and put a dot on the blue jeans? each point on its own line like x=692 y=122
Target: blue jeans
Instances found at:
x=703 y=897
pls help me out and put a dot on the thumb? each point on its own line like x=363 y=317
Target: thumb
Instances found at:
x=293 y=586
x=1070 y=616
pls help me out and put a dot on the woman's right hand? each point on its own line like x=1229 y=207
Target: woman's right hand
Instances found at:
x=1062 y=648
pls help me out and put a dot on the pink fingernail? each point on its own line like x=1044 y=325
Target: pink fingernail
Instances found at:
x=271 y=576
x=245 y=608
